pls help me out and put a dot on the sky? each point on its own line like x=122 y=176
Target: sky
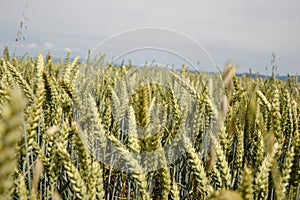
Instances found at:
x=244 y=33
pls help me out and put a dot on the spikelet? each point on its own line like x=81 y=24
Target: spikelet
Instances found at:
x=261 y=179
x=120 y=101
x=287 y=168
x=165 y=179
x=133 y=167
x=260 y=151
x=71 y=70
x=295 y=141
x=142 y=106
x=215 y=177
x=20 y=80
x=73 y=173
x=181 y=81
x=100 y=137
x=224 y=140
x=222 y=166
x=116 y=107
x=276 y=116
x=66 y=63
x=107 y=115
x=10 y=133
x=175 y=113
x=54 y=164
x=264 y=100
x=84 y=159
x=174 y=191
x=246 y=187
x=133 y=141
x=95 y=183
x=239 y=157
x=36 y=108
x=196 y=165
x=21 y=187
x=287 y=115
x=4 y=96
x=52 y=98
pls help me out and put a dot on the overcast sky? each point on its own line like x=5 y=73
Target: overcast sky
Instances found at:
x=241 y=31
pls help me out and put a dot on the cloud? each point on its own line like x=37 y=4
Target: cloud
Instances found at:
x=66 y=49
x=32 y=46
x=49 y=46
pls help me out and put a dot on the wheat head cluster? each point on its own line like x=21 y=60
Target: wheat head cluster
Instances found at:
x=97 y=131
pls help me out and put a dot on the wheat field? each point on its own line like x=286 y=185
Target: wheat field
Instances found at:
x=97 y=131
